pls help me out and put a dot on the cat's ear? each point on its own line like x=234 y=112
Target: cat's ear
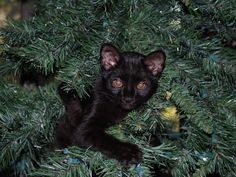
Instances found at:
x=109 y=56
x=155 y=62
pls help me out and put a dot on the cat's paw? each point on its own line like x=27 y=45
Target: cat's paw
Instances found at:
x=65 y=93
x=129 y=154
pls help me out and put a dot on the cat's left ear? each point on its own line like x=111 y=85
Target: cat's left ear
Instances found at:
x=155 y=62
x=109 y=56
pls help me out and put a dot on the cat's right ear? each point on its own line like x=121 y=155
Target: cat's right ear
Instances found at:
x=109 y=56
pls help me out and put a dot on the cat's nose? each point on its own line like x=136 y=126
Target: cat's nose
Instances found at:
x=128 y=100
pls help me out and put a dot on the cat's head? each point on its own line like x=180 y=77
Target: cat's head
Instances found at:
x=129 y=77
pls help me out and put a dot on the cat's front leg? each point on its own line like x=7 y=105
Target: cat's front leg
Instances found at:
x=129 y=154
x=88 y=136
x=72 y=105
x=66 y=126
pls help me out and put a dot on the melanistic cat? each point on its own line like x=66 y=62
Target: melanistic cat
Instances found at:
x=127 y=80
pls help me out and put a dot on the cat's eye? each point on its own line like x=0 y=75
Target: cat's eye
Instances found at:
x=141 y=85
x=117 y=83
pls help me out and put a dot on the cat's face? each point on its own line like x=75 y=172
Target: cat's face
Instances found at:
x=130 y=78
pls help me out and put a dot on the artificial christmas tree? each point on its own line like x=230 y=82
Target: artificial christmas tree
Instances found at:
x=186 y=129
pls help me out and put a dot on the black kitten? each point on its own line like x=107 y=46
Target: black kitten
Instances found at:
x=127 y=80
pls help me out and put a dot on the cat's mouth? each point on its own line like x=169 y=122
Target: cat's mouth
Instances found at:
x=128 y=103
x=128 y=106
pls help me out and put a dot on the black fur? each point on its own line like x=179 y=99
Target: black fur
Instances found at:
x=87 y=120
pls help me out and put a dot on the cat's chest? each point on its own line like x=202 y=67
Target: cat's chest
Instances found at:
x=107 y=112
x=118 y=116
x=110 y=114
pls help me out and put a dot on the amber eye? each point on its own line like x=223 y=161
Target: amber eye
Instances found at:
x=141 y=85
x=117 y=83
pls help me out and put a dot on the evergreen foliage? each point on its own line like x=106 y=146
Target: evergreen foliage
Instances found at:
x=198 y=85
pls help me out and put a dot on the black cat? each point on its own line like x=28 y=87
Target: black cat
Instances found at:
x=127 y=80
